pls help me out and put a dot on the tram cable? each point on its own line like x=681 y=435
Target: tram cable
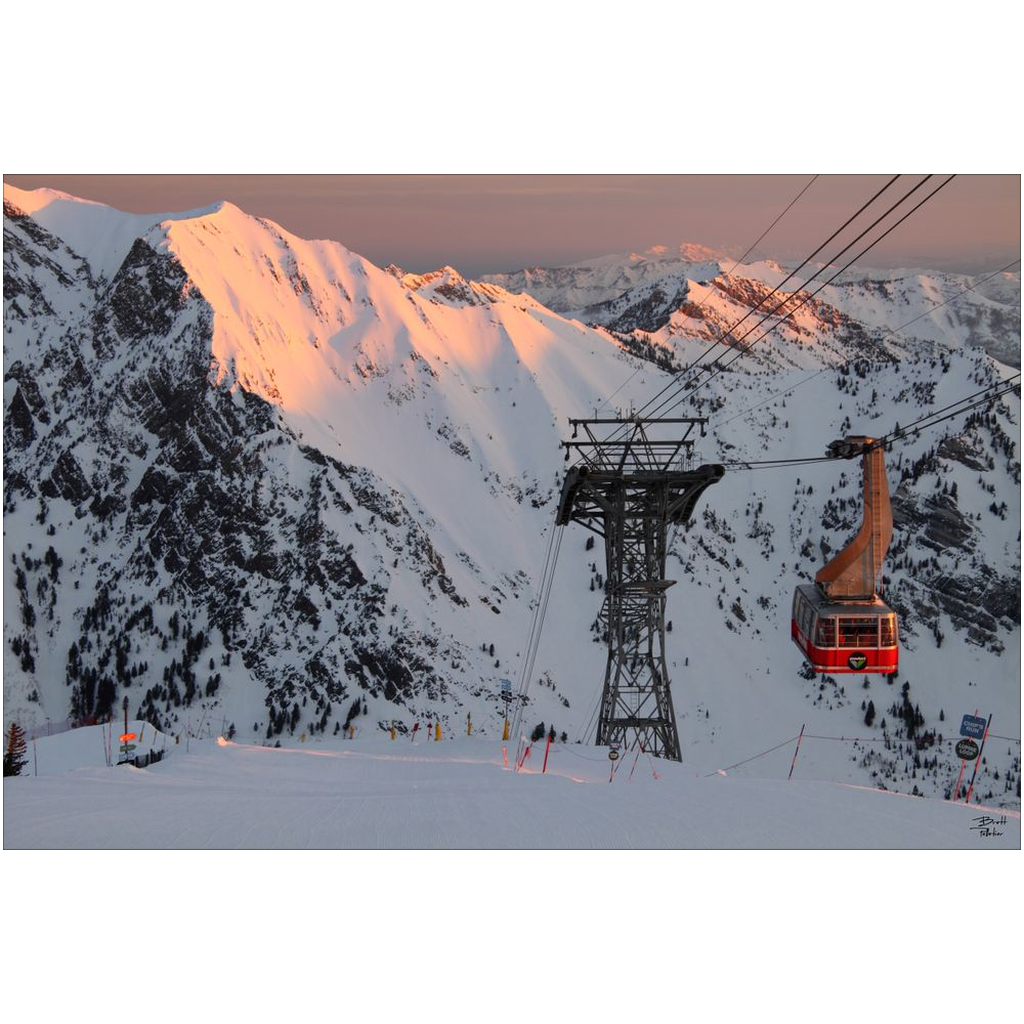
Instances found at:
x=742 y=352
x=721 y=367
x=677 y=380
x=888 y=333
x=681 y=398
x=736 y=263
x=793 y=273
x=540 y=614
x=789 y=298
x=707 y=294
x=997 y=390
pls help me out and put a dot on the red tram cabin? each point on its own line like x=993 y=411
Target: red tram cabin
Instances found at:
x=840 y=623
x=847 y=637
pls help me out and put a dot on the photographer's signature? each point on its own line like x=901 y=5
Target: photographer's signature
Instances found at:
x=987 y=826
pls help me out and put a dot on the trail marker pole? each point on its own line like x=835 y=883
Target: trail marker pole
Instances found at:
x=799 y=739
x=963 y=762
x=506 y=699
x=546 y=749
x=970 y=788
x=613 y=757
x=956 y=791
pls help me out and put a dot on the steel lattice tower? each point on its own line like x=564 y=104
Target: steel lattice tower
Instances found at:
x=630 y=488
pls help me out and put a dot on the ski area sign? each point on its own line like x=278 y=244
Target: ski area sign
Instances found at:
x=973 y=727
x=967 y=750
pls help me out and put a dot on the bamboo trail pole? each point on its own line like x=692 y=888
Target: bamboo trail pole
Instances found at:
x=799 y=740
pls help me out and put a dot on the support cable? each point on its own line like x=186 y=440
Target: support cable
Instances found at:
x=675 y=381
x=707 y=294
x=742 y=352
x=888 y=333
x=1001 y=388
x=554 y=546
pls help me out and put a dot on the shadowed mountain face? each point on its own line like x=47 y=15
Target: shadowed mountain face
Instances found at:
x=257 y=480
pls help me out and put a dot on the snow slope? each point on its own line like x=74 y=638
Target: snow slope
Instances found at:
x=378 y=794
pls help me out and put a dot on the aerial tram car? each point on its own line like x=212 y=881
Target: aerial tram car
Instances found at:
x=840 y=623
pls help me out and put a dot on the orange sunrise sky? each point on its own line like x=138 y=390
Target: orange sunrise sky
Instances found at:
x=488 y=223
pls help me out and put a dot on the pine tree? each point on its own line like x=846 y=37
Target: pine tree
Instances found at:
x=14 y=750
x=869 y=715
x=538 y=733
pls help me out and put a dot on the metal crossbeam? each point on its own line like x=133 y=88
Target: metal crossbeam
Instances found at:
x=630 y=489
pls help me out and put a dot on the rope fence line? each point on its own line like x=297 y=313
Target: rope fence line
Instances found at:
x=891 y=739
x=727 y=768
x=567 y=748
x=847 y=739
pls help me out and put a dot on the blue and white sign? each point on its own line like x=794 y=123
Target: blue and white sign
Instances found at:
x=972 y=726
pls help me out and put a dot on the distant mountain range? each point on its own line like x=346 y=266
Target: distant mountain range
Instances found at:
x=691 y=291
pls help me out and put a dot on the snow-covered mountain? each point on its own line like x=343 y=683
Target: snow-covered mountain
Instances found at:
x=689 y=291
x=256 y=478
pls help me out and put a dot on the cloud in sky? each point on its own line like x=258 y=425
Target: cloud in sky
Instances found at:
x=483 y=223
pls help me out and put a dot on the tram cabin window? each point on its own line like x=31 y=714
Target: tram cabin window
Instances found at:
x=804 y=616
x=887 y=624
x=825 y=634
x=858 y=632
